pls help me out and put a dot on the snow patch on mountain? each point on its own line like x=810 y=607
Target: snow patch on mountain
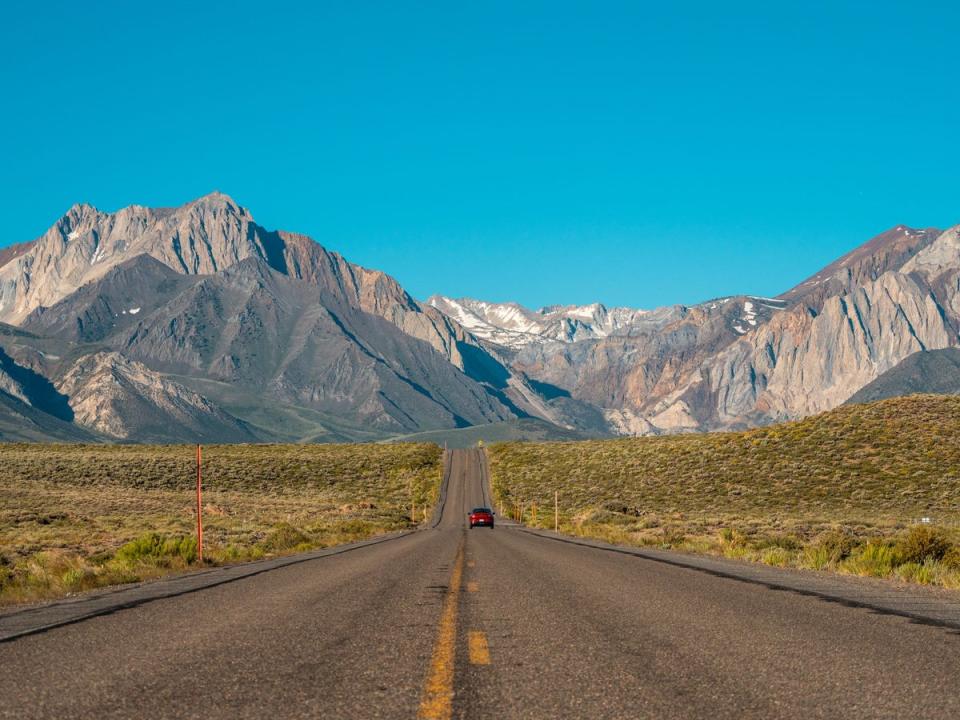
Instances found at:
x=514 y=326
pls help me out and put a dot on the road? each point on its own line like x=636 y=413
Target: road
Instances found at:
x=450 y=622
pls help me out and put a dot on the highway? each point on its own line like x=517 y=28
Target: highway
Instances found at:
x=450 y=622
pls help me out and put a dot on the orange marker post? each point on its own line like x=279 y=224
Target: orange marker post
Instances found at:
x=199 y=509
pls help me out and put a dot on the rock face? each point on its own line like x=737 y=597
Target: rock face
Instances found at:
x=31 y=409
x=265 y=329
x=265 y=334
x=202 y=237
x=174 y=322
x=124 y=400
x=735 y=362
x=801 y=363
x=887 y=251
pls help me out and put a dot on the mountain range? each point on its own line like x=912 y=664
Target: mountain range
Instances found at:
x=197 y=324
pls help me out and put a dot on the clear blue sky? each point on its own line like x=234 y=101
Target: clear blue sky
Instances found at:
x=635 y=153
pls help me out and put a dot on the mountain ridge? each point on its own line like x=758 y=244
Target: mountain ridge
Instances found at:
x=202 y=291
x=740 y=361
x=199 y=315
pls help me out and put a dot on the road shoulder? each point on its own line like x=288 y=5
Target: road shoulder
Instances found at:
x=934 y=606
x=18 y=621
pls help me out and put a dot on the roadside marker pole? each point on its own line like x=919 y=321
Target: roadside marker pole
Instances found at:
x=556 y=511
x=199 y=510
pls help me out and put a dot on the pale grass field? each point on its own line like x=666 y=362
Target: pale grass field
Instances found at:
x=842 y=491
x=74 y=517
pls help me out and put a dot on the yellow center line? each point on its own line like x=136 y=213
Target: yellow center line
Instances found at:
x=473 y=586
x=436 y=702
x=479 y=651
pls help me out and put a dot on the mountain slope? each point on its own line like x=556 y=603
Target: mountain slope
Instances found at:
x=936 y=372
x=287 y=340
x=203 y=297
x=124 y=400
x=736 y=362
x=32 y=409
x=887 y=251
x=203 y=237
x=267 y=332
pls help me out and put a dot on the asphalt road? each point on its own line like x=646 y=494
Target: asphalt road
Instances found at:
x=450 y=622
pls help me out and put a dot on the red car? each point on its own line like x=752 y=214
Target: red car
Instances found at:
x=481 y=517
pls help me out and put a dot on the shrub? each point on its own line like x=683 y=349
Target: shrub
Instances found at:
x=924 y=573
x=184 y=547
x=79 y=578
x=615 y=506
x=923 y=543
x=950 y=560
x=145 y=546
x=876 y=559
x=156 y=549
x=284 y=536
x=781 y=557
x=785 y=542
x=732 y=537
x=836 y=545
x=816 y=557
x=672 y=537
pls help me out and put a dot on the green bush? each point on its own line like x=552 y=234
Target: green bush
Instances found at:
x=876 y=559
x=284 y=536
x=923 y=543
x=836 y=545
x=950 y=560
x=784 y=542
x=816 y=557
x=924 y=573
x=79 y=578
x=778 y=556
x=156 y=549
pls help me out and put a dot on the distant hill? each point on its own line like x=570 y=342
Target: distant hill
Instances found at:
x=934 y=372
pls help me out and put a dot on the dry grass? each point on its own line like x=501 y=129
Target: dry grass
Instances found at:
x=74 y=517
x=782 y=494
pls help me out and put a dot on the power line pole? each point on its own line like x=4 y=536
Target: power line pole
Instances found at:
x=199 y=508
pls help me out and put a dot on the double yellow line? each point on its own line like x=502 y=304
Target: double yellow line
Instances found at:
x=437 y=700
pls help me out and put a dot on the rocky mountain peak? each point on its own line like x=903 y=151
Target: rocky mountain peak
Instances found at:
x=890 y=250
x=217 y=202
x=203 y=236
x=513 y=326
x=943 y=254
x=80 y=217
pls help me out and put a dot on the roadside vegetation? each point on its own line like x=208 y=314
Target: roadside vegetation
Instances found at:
x=75 y=517
x=847 y=490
